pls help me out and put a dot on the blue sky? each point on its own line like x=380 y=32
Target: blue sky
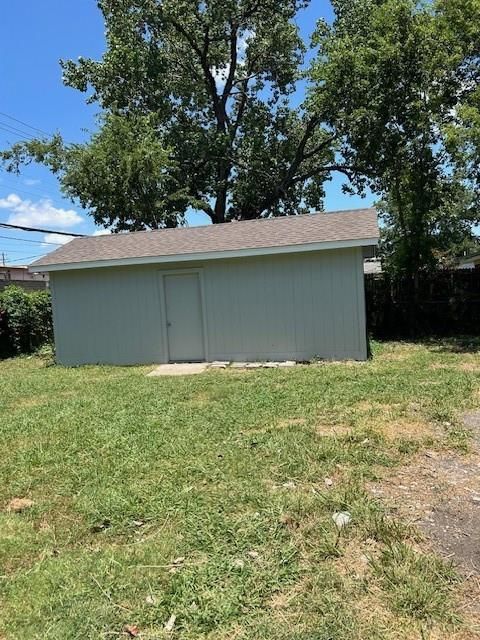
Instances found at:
x=34 y=36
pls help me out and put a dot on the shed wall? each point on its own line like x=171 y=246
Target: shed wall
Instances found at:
x=294 y=307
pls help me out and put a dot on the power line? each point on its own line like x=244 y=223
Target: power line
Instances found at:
x=12 y=133
x=58 y=244
x=25 y=124
x=7 y=250
x=15 y=129
x=59 y=233
x=39 y=255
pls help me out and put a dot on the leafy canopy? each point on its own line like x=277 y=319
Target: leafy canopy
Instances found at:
x=196 y=111
x=400 y=79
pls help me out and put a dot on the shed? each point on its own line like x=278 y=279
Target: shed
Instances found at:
x=287 y=288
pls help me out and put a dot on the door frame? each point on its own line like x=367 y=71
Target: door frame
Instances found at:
x=163 y=306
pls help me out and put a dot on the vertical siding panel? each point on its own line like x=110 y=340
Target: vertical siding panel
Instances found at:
x=354 y=316
x=210 y=306
x=361 y=307
x=300 y=292
x=119 y=304
x=320 y=302
x=317 y=295
x=331 y=317
x=289 y=297
x=314 y=337
x=354 y=345
x=342 y=267
x=348 y=335
x=232 y=320
x=292 y=326
x=309 y=323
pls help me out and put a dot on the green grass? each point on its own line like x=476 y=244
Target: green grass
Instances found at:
x=227 y=471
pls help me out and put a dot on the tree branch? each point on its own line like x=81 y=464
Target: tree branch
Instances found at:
x=323 y=145
x=233 y=63
x=202 y=53
x=348 y=171
x=300 y=152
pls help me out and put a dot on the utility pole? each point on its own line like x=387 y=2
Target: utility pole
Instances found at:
x=3 y=258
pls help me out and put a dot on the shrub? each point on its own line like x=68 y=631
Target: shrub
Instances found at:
x=25 y=320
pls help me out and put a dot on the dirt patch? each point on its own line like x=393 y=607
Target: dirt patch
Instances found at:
x=471 y=420
x=396 y=357
x=333 y=430
x=18 y=505
x=380 y=419
x=439 y=492
x=366 y=406
x=284 y=599
x=407 y=428
x=39 y=400
x=470 y=367
x=355 y=559
x=455 y=528
x=291 y=422
x=201 y=399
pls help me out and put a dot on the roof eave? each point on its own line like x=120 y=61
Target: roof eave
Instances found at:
x=214 y=255
x=471 y=259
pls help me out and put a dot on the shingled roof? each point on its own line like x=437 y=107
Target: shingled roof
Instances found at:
x=253 y=237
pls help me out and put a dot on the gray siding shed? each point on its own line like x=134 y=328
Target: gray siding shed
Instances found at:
x=284 y=289
x=293 y=307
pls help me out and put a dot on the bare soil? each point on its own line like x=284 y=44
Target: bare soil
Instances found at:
x=439 y=493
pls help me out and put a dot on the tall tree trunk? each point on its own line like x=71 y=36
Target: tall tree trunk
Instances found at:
x=220 y=209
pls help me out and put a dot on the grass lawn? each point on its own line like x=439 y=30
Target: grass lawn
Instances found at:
x=210 y=499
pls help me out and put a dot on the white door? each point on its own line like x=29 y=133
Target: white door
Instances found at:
x=183 y=305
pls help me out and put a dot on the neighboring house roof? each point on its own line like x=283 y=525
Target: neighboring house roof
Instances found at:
x=372 y=266
x=236 y=239
x=17 y=267
x=470 y=261
x=15 y=272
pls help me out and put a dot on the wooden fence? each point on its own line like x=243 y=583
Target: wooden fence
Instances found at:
x=444 y=303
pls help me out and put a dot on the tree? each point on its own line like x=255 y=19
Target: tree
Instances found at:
x=196 y=111
x=397 y=76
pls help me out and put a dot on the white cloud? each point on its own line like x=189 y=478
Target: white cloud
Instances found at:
x=221 y=73
x=30 y=182
x=39 y=213
x=56 y=238
x=102 y=232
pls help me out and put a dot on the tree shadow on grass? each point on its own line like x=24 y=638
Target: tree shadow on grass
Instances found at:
x=457 y=344
x=439 y=344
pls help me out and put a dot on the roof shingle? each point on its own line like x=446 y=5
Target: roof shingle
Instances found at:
x=265 y=234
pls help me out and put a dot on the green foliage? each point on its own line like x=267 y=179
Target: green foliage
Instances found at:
x=25 y=320
x=196 y=112
x=402 y=75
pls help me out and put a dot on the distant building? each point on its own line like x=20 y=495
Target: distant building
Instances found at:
x=22 y=277
x=372 y=266
x=471 y=262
